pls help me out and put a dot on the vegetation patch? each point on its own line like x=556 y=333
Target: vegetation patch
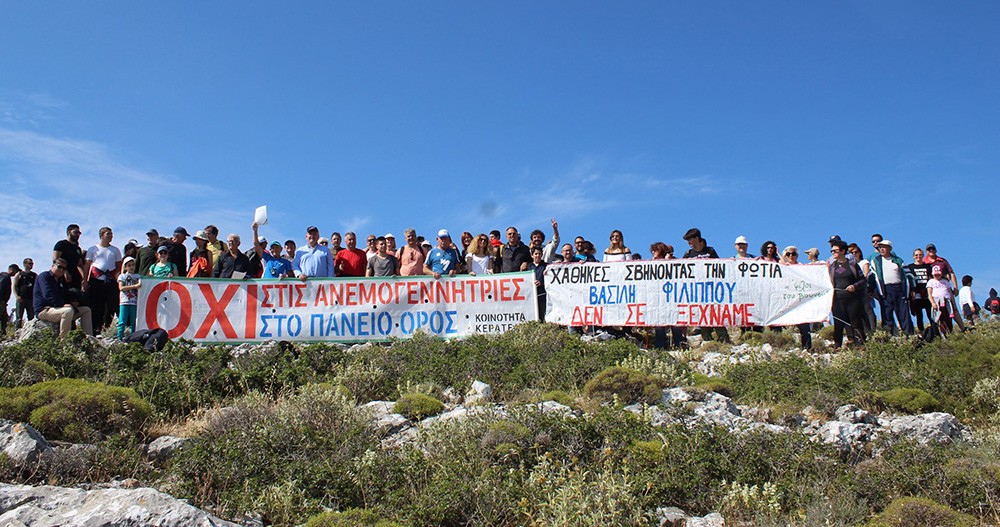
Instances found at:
x=74 y=409
x=624 y=385
x=417 y=406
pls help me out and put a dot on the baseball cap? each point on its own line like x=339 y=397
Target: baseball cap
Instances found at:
x=443 y=233
x=181 y=230
x=834 y=238
x=275 y=244
x=741 y=239
x=312 y=228
x=127 y=260
x=262 y=240
x=200 y=235
x=153 y=232
x=930 y=247
x=389 y=235
x=163 y=249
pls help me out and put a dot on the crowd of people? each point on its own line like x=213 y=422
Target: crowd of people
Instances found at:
x=96 y=286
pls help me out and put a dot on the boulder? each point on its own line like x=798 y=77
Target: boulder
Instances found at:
x=850 y=413
x=164 y=447
x=554 y=408
x=671 y=517
x=480 y=393
x=34 y=327
x=21 y=443
x=935 y=427
x=48 y=506
x=709 y=520
x=846 y=437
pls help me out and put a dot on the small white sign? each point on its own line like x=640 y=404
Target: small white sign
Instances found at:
x=260 y=215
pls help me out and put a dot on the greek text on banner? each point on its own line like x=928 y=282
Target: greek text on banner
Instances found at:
x=687 y=293
x=335 y=309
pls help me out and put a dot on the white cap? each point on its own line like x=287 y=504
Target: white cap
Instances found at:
x=885 y=242
x=389 y=235
x=443 y=233
x=741 y=239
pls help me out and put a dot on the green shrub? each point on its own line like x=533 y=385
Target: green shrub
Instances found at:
x=417 y=406
x=920 y=512
x=284 y=458
x=44 y=357
x=350 y=518
x=74 y=409
x=910 y=400
x=558 y=396
x=629 y=386
x=718 y=385
x=825 y=332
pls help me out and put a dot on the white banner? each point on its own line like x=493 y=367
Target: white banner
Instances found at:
x=335 y=309
x=687 y=293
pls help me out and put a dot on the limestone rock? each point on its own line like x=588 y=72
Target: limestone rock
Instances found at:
x=47 y=506
x=850 y=413
x=164 y=447
x=671 y=517
x=847 y=437
x=22 y=444
x=935 y=427
x=709 y=520
x=480 y=393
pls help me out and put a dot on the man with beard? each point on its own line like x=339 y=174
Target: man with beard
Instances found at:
x=69 y=250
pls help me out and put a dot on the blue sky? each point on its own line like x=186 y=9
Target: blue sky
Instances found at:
x=788 y=121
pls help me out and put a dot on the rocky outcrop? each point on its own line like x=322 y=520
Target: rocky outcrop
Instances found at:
x=47 y=506
x=21 y=443
x=164 y=447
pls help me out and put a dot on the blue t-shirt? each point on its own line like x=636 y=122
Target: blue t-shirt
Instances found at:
x=442 y=261
x=275 y=267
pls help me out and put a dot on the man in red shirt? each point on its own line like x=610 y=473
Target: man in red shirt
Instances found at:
x=350 y=261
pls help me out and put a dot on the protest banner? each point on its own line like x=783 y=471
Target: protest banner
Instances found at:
x=335 y=309
x=687 y=293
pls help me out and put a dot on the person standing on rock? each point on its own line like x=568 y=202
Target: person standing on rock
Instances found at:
x=24 y=287
x=100 y=271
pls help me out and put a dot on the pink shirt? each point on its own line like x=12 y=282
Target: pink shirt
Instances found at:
x=940 y=290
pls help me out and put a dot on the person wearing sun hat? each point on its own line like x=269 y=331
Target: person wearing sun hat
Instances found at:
x=893 y=281
x=128 y=296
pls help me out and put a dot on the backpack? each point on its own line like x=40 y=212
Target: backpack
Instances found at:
x=25 y=284
x=151 y=339
x=993 y=305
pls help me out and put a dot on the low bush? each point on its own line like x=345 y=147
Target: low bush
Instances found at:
x=909 y=400
x=286 y=458
x=627 y=386
x=350 y=518
x=920 y=512
x=74 y=409
x=417 y=406
x=718 y=385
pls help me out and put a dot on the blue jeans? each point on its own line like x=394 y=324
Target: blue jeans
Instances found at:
x=896 y=303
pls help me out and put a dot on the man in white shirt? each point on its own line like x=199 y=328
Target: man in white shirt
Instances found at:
x=100 y=279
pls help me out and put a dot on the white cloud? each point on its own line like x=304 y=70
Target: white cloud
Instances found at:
x=50 y=182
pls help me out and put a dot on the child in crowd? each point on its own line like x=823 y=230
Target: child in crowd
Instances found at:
x=128 y=287
x=941 y=295
x=967 y=301
x=162 y=268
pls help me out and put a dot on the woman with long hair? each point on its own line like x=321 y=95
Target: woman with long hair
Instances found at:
x=769 y=252
x=479 y=258
x=617 y=252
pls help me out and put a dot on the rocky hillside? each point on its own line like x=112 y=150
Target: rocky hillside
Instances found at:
x=535 y=427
